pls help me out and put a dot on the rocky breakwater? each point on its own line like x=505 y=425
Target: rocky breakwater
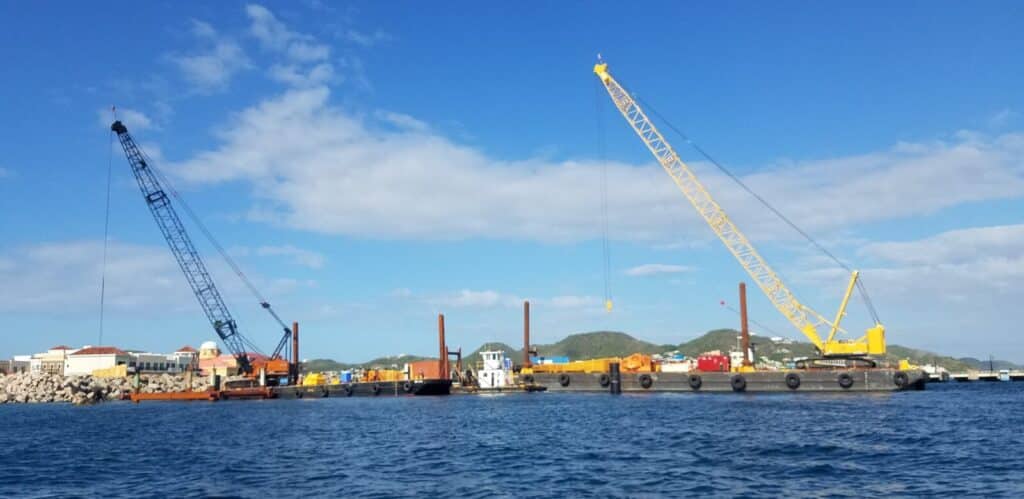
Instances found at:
x=80 y=390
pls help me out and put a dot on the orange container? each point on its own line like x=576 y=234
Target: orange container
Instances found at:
x=425 y=369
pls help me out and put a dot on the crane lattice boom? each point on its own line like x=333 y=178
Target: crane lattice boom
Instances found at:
x=804 y=318
x=184 y=251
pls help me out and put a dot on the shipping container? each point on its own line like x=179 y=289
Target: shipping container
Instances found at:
x=549 y=360
x=675 y=367
x=425 y=369
x=713 y=363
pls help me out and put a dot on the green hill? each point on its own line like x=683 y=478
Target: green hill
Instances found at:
x=474 y=357
x=984 y=365
x=599 y=344
x=725 y=340
x=392 y=362
x=618 y=344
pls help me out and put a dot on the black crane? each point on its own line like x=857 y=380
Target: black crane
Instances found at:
x=188 y=258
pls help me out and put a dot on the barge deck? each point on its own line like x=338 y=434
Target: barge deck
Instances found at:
x=848 y=380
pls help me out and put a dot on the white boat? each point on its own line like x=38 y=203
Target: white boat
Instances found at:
x=495 y=370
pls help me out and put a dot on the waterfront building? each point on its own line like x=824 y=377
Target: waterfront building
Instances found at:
x=209 y=350
x=91 y=358
x=52 y=361
x=156 y=363
x=187 y=356
x=14 y=366
x=212 y=361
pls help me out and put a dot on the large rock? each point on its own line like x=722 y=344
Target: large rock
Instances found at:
x=80 y=390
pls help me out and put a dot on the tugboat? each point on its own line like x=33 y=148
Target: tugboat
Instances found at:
x=494 y=371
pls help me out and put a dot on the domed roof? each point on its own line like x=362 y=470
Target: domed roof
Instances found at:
x=208 y=345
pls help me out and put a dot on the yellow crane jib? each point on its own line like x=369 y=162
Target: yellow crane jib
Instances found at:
x=802 y=317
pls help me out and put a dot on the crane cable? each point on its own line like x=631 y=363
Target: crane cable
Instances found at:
x=723 y=169
x=106 y=233
x=605 y=246
x=213 y=241
x=750 y=319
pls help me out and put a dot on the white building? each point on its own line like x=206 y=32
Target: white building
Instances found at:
x=89 y=359
x=52 y=361
x=158 y=363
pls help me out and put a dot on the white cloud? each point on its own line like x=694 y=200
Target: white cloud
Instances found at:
x=297 y=256
x=266 y=28
x=650 y=269
x=64 y=277
x=315 y=167
x=953 y=247
x=471 y=298
x=949 y=292
x=212 y=68
x=274 y=35
x=402 y=121
x=308 y=52
x=969 y=265
x=367 y=39
x=134 y=120
x=295 y=76
x=304 y=60
x=1002 y=118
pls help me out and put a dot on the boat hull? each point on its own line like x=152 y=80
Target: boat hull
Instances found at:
x=852 y=380
x=427 y=387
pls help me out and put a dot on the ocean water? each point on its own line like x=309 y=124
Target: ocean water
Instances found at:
x=951 y=440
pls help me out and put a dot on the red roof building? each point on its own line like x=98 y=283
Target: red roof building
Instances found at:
x=187 y=349
x=100 y=351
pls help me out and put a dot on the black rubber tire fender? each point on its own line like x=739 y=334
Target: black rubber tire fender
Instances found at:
x=738 y=383
x=792 y=381
x=376 y=388
x=564 y=379
x=528 y=378
x=408 y=387
x=324 y=392
x=646 y=381
x=695 y=382
x=298 y=393
x=349 y=390
x=845 y=380
x=901 y=379
x=604 y=380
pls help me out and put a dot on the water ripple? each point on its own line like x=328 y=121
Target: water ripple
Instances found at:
x=951 y=440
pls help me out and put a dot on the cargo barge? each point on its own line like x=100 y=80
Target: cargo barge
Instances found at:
x=860 y=380
x=420 y=387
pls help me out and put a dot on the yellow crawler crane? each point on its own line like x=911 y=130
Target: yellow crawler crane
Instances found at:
x=804 y=318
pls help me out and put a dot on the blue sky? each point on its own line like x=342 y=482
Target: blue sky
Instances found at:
x=371 y=165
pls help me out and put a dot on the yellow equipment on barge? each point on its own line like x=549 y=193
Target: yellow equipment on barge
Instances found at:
x=801 y=316
x=636 y=363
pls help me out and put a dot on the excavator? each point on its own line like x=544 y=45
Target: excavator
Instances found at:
x=264 y=369
x=833 y=351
